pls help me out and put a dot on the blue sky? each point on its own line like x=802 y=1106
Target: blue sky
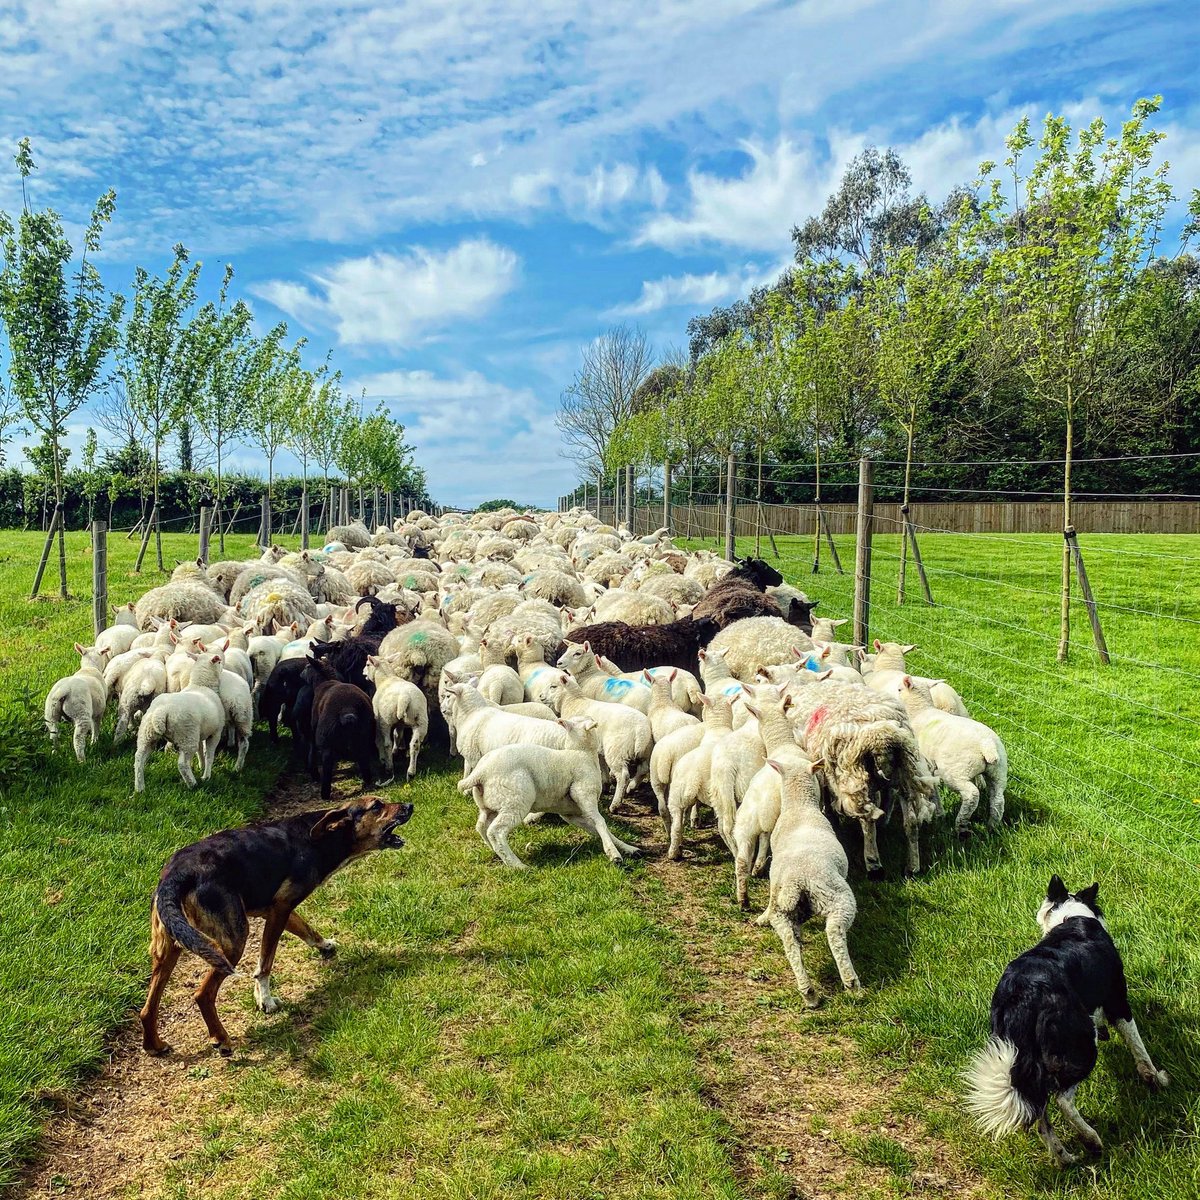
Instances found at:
x=455 y=197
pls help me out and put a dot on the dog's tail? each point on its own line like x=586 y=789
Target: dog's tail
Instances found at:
x=168 y=901
x=993 y=1099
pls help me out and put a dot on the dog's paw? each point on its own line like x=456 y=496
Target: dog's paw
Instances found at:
x=1065 y=1159
x=1154 y=1080
x=328 y=949
x=1093 y=1145
x=159 y=1051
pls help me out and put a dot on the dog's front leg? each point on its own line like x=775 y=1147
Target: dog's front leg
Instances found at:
x=273 y=927
x=297 y=925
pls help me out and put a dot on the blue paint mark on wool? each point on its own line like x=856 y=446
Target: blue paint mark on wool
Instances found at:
x=619 y=686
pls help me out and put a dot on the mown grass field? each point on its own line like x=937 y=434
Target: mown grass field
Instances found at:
x=556 y=1033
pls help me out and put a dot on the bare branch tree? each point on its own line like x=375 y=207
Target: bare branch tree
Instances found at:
x=602 y=393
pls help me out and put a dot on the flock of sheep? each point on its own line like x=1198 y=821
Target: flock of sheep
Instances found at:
x=564 y=660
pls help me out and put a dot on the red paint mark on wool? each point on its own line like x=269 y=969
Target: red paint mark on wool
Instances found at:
x=819 y=714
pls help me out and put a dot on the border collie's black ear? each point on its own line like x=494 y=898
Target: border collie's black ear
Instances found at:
x=1088 y=895
x=1057 y=891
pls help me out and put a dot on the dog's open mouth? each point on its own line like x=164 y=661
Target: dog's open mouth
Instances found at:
x=391 y=839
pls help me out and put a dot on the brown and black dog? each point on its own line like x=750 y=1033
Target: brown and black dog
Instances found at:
x=209 y=890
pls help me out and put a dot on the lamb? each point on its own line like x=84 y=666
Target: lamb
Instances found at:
x=685 y=687
x=498 y=681
x=481 y=726
x=535 y=673
x=145 y=680
x=118 y=637
x=663 y=712
x=238 y=705
x=754 y=643
x=887 y=675
x=348 y=658
x=80 y=699
x=596 y=684
x=625 y=737
x=759 y=809
x=735 y=761
x=824 y=629
x=691 y=773
x=808 y=877
x=634 y=648
x=398 y=705
x=343 y=725
x=512 y=782
x=278 y=694
x=740 y=594
x=192 y=721
x=964 y=753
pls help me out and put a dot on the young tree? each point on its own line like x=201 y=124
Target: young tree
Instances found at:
x=326 y=420
x=278 y=383
x=61 y=326
x=161 y=360
x=1061 y=263
x=915 y=307
x=232 y=360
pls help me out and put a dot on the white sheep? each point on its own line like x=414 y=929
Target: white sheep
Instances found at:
x=887 y=675
x=512 y=782
x=118 y=637
x=964 y=752
x=735 y=761
x=497 y=680
x=276 y=603
x=692 y=773
x=634 y=608
x=759 y=809
x=685 y=687
x=808 y=877
x=597 y=684
x=80 y=699
x=185 y=600
x=625 y=737
x=757 y=642
x=481 y=726
x=145 y=680
x=192 y=721
x=663 y=712
x=399 y=705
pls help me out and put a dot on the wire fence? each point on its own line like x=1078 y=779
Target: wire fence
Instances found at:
x=1116 y=747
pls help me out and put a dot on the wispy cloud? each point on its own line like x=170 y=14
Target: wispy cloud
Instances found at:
x=398 y=300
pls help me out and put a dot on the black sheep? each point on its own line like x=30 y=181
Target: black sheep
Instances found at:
x=343 y=727
x=741 y=594
x=636 y=647
x=347 y=658
x=279 y=693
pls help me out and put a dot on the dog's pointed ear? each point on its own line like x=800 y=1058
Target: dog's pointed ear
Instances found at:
x=1089 y=895
x=1056 y=892
x=328 y=821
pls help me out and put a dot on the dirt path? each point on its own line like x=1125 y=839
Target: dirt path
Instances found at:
x=810 y=1117
x=120 y=1135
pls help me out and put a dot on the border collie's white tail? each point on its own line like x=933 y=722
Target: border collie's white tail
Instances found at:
x=995 y=1103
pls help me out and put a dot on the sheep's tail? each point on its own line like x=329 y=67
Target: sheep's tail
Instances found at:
x=992 y=1098
x=168 y=902
x=53 y=712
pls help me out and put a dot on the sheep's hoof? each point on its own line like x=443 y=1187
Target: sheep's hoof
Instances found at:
x=964 y=833
x=811 y=998
x=876 y=874
x=854 y=986
x=1066 y=1159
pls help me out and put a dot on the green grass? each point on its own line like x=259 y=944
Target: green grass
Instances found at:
x=485 y=1032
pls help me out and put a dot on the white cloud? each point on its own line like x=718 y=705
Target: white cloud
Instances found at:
x=398 y=300
x=476 y=438
x=695 y=291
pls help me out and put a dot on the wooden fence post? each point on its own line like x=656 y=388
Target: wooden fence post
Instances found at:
x=206 y=514
x=100 y=576
x=862 y=551
x=730 y=512
x=1086 y=588
x=151 y=523
x=391 y=509
x=54 y=520
x=630 y=498
x=667 y=495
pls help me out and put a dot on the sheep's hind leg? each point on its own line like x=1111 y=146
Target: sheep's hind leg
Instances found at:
x=185 y=768
x=784 y=926
x=1089 y=1137
x=912 y=835
x=966 y=810
x=622 y=787
x=497 y=835
x=836 y=926
x=210 y=754
x=79 y=739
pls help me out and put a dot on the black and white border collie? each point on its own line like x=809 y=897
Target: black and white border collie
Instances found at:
x=1049 y=1010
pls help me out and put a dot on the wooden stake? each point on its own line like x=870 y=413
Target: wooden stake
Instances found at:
x=206 y=515
x=151 y=522
x=100 y=575
x=862 y=551
x=1086 y=588
x=237 y=508
x=911 y=533
x=823 y=523
x=54 y=520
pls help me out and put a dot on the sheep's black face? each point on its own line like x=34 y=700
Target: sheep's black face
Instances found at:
x=762 y=573
x=705 y=629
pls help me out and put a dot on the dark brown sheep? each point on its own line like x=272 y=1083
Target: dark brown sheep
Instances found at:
x=636 y=647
